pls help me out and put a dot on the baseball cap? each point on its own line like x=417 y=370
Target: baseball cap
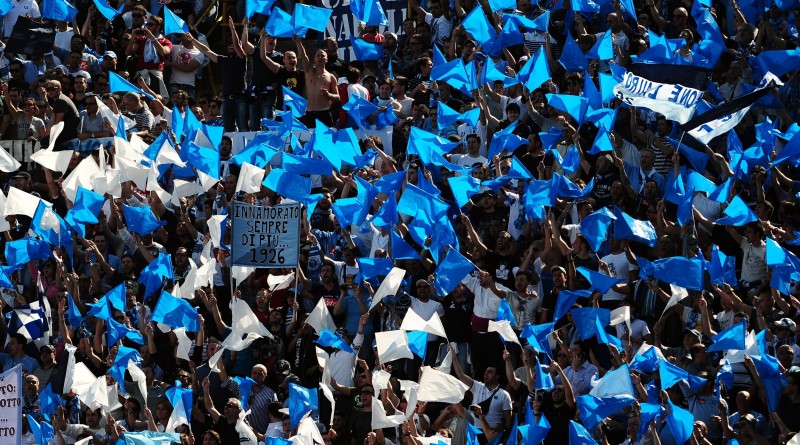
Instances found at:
x=282 y=366
x=694 y=332
x=22 y=175
x=787 y=323
x=50 y=348
x=111 y=54
x=557 y=267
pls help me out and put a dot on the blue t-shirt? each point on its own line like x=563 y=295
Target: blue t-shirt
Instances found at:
x=28 y=363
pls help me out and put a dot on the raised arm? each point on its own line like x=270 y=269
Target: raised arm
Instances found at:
x=209 y=404
x=467 y=380
x=302 y=56
x=203 y=49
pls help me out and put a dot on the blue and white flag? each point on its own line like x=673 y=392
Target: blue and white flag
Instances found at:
x=676 y=102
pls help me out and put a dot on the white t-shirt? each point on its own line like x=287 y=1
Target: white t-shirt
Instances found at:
x=466 y=160
x=441 y=28
x=20 y=9
x=754 y=262
x=618 y=267
x=501 y=401
x=181 y=55
x=465 y=130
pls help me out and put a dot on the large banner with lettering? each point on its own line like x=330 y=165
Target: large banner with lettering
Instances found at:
x=675 y=102
x=265 y=236
x=11 y=406
x=343 y=24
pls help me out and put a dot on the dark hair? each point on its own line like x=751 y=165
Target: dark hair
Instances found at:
x=513 y=106
x=353 y=74
x=19 y=338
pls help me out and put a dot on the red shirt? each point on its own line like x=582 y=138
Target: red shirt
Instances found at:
x=141 y=41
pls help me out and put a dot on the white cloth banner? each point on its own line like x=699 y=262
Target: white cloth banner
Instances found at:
x=11 y=405
x=675 y=102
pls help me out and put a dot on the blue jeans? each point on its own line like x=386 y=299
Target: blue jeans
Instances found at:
x=262 y=106
x=234 y=114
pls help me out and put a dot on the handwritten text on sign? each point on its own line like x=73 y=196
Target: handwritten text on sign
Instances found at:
x=11 y=406
x=265 y=236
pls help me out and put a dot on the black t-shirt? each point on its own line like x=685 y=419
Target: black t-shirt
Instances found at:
x=293 y=80
x=602 y=187
x=263 y=76
x=232 y=70
x=457 y=317
x=500 y=266
x=227 y=431
x=72 y=119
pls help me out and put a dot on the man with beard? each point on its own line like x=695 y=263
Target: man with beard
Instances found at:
x=63 y=111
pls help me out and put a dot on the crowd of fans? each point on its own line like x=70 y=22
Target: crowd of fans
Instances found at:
x=530 y=263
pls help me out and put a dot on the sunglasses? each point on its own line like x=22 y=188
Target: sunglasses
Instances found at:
x=137 y=15
x=52 y=88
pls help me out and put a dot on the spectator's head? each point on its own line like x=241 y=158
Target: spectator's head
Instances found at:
x=491 y=376
x=353 y=75
x=132 y=102
x=16 y=69
x=423 y=290
x=679 y=16
x=663 y=127
x=259 y=374
x=385 y=88
x=274 y=412
x=182 y=255
x=212 y=346
x=179 y=98
x=211 y=437
x=100 y=84
x=77 y=43
x=512 y=111
x=366 y=393
x=603 y=163
x=47 y=354
x=327 y=272
x=74 y=60
x=559 y=276
x=785 y=355
x=320 y=58
x=400 y=85
x=153 y=24
x=424 y=65
x=93 y=417
x=22 y=181
x=290 y=60
x=331 y=48
x=611 y=22
x=138 y=15
x=473 y=144
x=80 y=85
x=409 y=26
x=522 y=280
x=31 y=386
x=754 y=232
x=578 y=353
x=763 y=210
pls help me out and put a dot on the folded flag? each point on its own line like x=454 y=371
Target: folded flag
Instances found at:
x=287 y=184
x=451 y=271
x=598 y=281
x=731 y=338
x=21 y=251
x=737 y=213
x=141 y=220
x=628 y=228
x=333 y=340
x=176 y=312
x=594 y=227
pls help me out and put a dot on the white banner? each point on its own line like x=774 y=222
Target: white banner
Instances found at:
x=11 y=406
x=675 y=102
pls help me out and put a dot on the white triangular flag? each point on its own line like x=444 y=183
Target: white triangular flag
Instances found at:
x=616 y=383
x=178 y=417
x=96 y=395
x=413 y=322
x=678 y=294
x=392 y=345
x=411 y=397
x=278 y=282
x=381 y=420
x=389 y=286
x=380 y=380
x=132 y=171
x=215 y=229
x=751 y=349
x=7 y=162
x=187 y=290
x=69 y=375
x=250 y=178
x=320 y=318
x=205 y=274
x=240 y=273
x=82 y=380
x=81 y=176
x=436 y=386
x=21 y=203
x=245 y=321
x=138 y=376
x=184 y=344
x=307 y=432
x=505 y=330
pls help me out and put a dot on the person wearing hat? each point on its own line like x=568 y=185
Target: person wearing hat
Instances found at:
x=109 y=61
x=785 y=334
x=47 y=355
x=744 y=411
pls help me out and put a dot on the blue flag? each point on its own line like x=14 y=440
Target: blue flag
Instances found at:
x=117 y=84
x=287 y=184
x=731 y=338
x=364 y=50
x=691 y=276
x=253 y=7
x=543 y=379
x=307 y=17
x=539 y=70
x=294 y=102
x=722 y=268
x=333 y=340
x=578 y=434
x=279 y=23
x=479 y=27
x=572 y=58
x=42 y=431
x=603 y=49
x=737 y=213
x=626 y=227
x=74 y=316
x=176 y=312
x=108 y=12
x=463 y=188
x=537 y=336
x=451 y=271
x=245 y=386
x=369 y=11
x=21 y=251
x=173 y=24
x=141 y=220
x=575 y=106
x=301 y=401
x=59 y=10
x=566 y=299
x=594 y=227
x=418 y=343
x=154 y=274
x=680 y=422
x=117 y=331
x=598 y=281
x=401 y=250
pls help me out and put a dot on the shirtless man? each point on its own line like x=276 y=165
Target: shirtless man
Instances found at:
x=320 y=87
